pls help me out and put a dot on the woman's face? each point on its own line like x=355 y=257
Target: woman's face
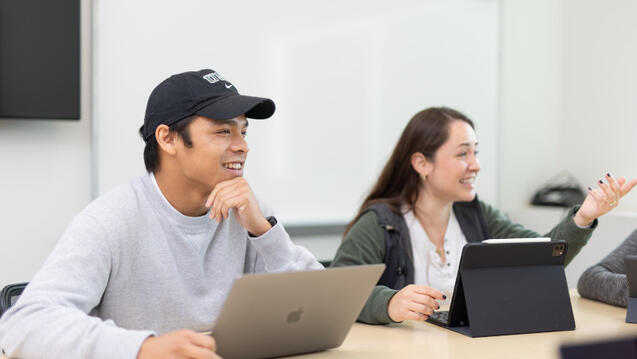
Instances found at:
x=451 y=174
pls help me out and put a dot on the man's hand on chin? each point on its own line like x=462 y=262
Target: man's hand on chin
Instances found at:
x=237 y=195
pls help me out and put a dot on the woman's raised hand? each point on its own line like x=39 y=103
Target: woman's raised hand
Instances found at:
x=603 y=199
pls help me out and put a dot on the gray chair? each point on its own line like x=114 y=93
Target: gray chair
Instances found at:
x=10 y=295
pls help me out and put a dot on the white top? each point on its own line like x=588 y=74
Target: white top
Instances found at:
x=428 y=266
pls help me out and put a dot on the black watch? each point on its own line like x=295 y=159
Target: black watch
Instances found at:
x=272 y=220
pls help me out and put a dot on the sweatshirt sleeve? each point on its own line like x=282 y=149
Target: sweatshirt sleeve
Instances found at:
x=501 y=226
x=51 y=319
x=365 y=244
x=606 y=281
x=274 y=251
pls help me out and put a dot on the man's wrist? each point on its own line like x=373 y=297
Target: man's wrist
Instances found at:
x=264 y=225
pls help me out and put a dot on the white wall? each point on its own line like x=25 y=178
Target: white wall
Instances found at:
x=346 y=78
x=568 y=90
x=530 y=97
x=599 y=128
x=45 y=182
x=45 y=179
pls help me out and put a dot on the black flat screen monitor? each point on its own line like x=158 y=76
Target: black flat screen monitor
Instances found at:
x=40 y=59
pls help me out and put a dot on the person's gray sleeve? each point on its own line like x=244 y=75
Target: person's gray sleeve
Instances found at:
x=50 y=320
x=606 y=280
x=274 y=252
x=365 y=244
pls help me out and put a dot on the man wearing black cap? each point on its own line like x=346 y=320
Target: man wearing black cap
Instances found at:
x=145 y=261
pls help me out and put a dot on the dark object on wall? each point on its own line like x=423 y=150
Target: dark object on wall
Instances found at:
x=561 y=191
x=40 y=59
x=9 y=295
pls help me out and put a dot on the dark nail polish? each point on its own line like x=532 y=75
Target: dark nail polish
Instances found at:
x=608 y=174
x=444 y=297
x=590 y=189
x=601 y=182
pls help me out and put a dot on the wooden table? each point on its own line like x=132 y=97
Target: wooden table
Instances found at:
x=594 y=321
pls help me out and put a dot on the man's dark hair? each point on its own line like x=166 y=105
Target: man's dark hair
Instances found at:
x=151 y=151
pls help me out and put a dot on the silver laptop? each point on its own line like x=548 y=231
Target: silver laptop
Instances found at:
x=277 y=314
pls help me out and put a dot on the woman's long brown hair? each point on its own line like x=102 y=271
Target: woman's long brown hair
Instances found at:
x=399 y=183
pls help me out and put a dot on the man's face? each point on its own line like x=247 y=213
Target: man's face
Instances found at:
x=218 y=150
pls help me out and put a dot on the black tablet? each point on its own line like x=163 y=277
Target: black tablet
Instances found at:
x=510 y=288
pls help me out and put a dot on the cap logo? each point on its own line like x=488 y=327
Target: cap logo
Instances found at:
x=213 y=77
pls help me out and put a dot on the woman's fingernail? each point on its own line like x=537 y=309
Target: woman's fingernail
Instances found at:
x=590 y=189
x=608 y=174
x=601 y=182
x=444 y=297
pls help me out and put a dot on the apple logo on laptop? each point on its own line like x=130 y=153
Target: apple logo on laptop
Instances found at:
x=294 y=316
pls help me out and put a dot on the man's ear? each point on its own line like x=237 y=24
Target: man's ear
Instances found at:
x=166 y=139
x=421 y=164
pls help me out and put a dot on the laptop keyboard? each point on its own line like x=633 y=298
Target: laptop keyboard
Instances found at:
x=441 y=317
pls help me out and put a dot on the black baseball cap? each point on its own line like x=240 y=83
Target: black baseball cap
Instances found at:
x=204 y=93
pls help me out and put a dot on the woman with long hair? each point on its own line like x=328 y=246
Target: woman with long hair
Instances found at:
x=423 y=209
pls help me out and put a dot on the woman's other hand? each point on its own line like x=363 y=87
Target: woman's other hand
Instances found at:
x=602 y=199
x=414 y=302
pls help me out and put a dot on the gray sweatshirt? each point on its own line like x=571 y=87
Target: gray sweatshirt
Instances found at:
x=606 y=280
x=129 y=266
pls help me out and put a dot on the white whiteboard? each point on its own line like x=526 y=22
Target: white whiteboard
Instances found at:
x=345 y=76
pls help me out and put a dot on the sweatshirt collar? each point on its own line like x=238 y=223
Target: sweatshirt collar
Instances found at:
x=162 y=204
